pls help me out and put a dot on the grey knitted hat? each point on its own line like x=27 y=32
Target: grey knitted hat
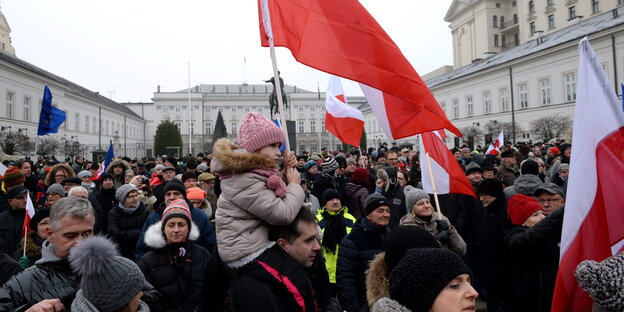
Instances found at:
x=84 y=173
x=604 y=281
x=123 y=191
x=109 y=281
x=412 y=196
x=56 y=189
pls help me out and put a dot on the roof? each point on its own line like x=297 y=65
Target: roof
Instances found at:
x=242 y=88
x=571 y=33
x=70 y=87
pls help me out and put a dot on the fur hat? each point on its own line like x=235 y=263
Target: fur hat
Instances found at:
x=177 y=208
x=328 y=195
x=529 y=167
x=360 y=177
x=56 y=189
x=257 y=132
x=123 y=191
x=403 y=238
x=422 y=274
x=604 y=281
x=108 y=281
x=413 y=195
x=195 y=193
x=521 y=207
x=374 y=201
x=329 y=165
x=491 y=186
x=13 y=176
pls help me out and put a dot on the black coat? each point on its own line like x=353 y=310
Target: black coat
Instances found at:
x=185 y=283
x=106 y=199
x=125 y=228
x=11 y=222
x=261 y=285
x=355 y=197
x=458 y=208
x=396 y=198
x=534 y=261
x=8 y=268
x=356 y=251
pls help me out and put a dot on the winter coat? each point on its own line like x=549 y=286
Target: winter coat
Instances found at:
x=106 y=198
x=396 y=198
x=459 y=209
x=331 y=256
x=119 y=179
x=377 y=284
x=534 y=261
x=11 y=222
x=388 y=305
x=33 y=249
x=247 y=206
x=355 y=198
x=274 y=281
x=507 y=175
x=8 y=268
x=183 y=273
x=455 y=243
x=125 y=228
x=525 y=184
x=356 y=251
x=82 y=304
x=50 y=177
x=206 y=232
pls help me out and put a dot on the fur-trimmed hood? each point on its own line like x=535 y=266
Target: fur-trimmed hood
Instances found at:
x=69 y=172
x=116 y=162
x=228 y=158
x=377 y=285
x=388 y=305
x=155 y=238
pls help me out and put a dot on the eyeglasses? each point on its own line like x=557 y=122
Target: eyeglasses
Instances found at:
x=549 y=200
x=43 y=223
x=391 y=159
x=60 y=175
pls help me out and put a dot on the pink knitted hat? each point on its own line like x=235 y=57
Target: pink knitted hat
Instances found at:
x=257 y=132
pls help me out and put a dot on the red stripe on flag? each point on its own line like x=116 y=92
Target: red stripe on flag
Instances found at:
x=439 y=153
x=348 y=130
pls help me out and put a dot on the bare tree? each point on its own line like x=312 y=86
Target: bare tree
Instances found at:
x=471 y=133
x=15 y=143
x=48 y=146
x=494 y=128
x=549 y=127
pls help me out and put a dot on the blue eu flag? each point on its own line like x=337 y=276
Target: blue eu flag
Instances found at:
x=51 y=118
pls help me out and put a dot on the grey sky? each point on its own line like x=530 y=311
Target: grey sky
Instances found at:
x=133 y=46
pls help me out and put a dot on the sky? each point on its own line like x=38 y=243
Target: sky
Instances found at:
x=125 y=49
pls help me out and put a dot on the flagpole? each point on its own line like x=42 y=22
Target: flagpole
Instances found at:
x=36 y=145
x=278 y=95
x=435 y=192
x=25 y=239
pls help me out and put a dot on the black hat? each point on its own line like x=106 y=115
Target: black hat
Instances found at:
x=74 y=180
x=105 y=176
x=40 y=214
x=374 y=201
x=188 y=175
x=328 y=195
x=491 y=186
x=403 y=238
x=529 y=167
x=175 y=185
x=508 y=153
x=16 y=191
x=422 y=274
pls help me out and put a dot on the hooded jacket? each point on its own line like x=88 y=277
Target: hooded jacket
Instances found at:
x=377 y=284
x=525 y=184
x=119 y=179
x=125 y=228
x=247 y=206
x=455 y=242
x=33 y=249
x=356 y=196
x=69 y=173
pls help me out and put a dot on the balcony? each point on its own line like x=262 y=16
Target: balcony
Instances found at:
x=510 y=26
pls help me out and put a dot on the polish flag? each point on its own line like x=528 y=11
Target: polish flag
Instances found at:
x=593 y=224
x=343 y=39
x=447 y=174
x=30 y=212
x=342 y=120
x=3 y=169
x=494 y=148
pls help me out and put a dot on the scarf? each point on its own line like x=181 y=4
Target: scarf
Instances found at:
x=274 y=181
x=334 y=231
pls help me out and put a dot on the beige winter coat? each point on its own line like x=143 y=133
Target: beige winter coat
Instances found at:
x=246 y=206
x=455 y=242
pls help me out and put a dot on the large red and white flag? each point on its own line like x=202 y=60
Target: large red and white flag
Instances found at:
x=593 y=224
x=342 y=120
x=30 y=212
x=494 y=148
x=447 y=174
x=342 y=38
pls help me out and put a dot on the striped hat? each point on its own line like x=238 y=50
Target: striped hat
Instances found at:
x=13 y=176
x=177 y=208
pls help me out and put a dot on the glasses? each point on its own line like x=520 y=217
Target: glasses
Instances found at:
x=60 y=175
x=391 y=159
x=42 y=223
x=549 y=200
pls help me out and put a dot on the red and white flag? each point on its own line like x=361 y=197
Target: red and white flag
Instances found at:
x=3 y=169
x=494 y=148
x=30 y=212
x=342 y=38
x=447 y=174
x=342 y=120
x=593 y=224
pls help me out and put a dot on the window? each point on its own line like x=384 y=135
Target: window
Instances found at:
x=106 y=128
x=77 y=122
x=94 y=126
x=551 y=21
x=487 y=103
x=531 y=7
x=502 y=23
x=300 y=108
x=496 y=40
x=312 y=126
x=569 y=81
x=233 y=128
x=27 y=101
x=544 y=85
x=246 y=109
x=620 y=2
x=208 y=128
x=455 y=108
x=10 y=97
x=443 y=105
x=469 y=106
x=87 y=128
x=498 y=5
x=523 y=94
x=301 y=126
x=549 y=2
x=311 y=108
x=516 y=39
x=532 y=28
x=572 y=12
x=495 y=21
x=595 y=6
x=503 y=41
x=313 y=148
x=323 y=126
x=504 y=99
x=233 y=109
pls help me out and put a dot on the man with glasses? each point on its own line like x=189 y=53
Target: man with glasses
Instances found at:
x=207 y=183
x=550 y=196
x=391 y=159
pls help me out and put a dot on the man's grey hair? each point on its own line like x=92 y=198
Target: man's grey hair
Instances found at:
x=75 y=207
x=73 y=192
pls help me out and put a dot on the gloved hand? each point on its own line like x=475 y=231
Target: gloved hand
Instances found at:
x=442 y=236
x=442 y=225
x=24 y=263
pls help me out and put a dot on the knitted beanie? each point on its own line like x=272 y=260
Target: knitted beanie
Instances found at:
x=310 y=164
x=40 y=214
x=554 y=150
x=257 y=132
x=159 y=167
x=563 y=167
x=521 y=207
x=108 y=281
x=195 y=193
x=328 y=195
x=105 y=176
x=341 y=160
x=491 y=186
x=508 y=153
x=203 y=167
x=422 y=274
x=374 y=201
x=360 y=177
x=177 y=208
x=604 y=281
x=84 y=173
x=403 y=238
x=56 y=189
x=188 y=175
x=123 y=191
x=473 y=167
x=329 y=165
x=412 y=196
x=13 y=176
x=529 y=167
x=175 y=185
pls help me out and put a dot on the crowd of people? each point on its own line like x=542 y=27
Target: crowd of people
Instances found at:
x=249 y=228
